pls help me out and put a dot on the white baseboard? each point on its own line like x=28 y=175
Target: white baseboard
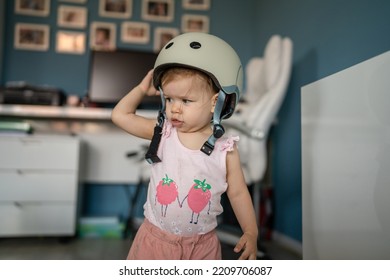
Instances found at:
x=287 y=242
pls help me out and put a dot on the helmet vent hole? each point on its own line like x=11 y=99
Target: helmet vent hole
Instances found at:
x=169 y=45
x=195 y=45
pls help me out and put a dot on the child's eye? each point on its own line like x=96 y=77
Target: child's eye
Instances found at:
x=186 y=101
x=168 y=99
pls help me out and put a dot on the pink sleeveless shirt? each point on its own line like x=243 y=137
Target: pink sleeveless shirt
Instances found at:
x=185 y=189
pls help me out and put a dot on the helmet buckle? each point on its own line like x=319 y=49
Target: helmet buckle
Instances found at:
x=207 y=148
x=218 y=131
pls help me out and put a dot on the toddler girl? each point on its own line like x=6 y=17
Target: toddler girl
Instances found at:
x=199 y=77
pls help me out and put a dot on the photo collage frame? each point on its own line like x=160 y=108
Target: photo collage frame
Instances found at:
x=156 y=22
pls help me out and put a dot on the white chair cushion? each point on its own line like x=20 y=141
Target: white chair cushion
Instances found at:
x=272 y=60
x=255 y=80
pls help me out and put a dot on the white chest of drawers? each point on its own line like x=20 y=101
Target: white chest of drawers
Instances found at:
x=38 y=185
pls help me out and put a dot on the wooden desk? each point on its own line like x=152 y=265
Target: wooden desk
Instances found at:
x=105 y=148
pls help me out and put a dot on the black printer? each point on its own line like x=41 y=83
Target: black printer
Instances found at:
x=22 y=93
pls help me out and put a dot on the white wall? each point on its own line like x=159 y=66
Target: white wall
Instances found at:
x=346 y=163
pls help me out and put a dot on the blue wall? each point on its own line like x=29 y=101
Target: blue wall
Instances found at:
x=2 y=15
x=328 y=36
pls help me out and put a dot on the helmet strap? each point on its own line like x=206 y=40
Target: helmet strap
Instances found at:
x=218 y=129
x=151 y=155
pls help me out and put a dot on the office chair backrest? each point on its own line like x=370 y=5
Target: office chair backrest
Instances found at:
x=267 y=82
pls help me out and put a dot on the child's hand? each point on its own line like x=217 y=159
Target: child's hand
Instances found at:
x=146 y=85
x=247 y=243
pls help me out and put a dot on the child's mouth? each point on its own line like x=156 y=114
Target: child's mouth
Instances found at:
x=176 y=122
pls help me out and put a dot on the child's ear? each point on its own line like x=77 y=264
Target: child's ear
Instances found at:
x=214 y=102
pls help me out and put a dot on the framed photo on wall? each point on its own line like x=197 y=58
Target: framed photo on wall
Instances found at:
x=196 y=4
x=195 y=23
x=70 y=42
x=135 y=32
x=33 y=7
x=72 y=16
x=33 y=37
x=74 y=1
x=158 y=10
x=162 y=35
x=115 y=8
x=103 y=36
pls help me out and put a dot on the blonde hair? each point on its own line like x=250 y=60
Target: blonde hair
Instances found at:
x=201 y=79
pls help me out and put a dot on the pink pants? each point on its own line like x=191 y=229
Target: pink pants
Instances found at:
x=152 y=243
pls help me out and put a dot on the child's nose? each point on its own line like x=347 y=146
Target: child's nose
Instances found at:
x=176 y=107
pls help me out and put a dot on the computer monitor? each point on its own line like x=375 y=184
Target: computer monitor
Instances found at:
x=114 y=73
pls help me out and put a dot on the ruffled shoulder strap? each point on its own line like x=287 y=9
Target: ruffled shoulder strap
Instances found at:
x=167 y=129
x=228 y=143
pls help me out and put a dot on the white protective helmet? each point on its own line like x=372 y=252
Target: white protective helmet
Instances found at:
x=212 y=56
x=209 y=54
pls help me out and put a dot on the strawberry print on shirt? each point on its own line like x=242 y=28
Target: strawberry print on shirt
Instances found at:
x=185 y=188
x=166 y=193
x=198 y=198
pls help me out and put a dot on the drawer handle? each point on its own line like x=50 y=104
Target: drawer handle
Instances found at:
x=131 y=154
x=138 y=155
x=18 y=204
x=27 y=141
x=26 y=203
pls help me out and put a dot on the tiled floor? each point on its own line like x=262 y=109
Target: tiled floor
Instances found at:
x=46 y=248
